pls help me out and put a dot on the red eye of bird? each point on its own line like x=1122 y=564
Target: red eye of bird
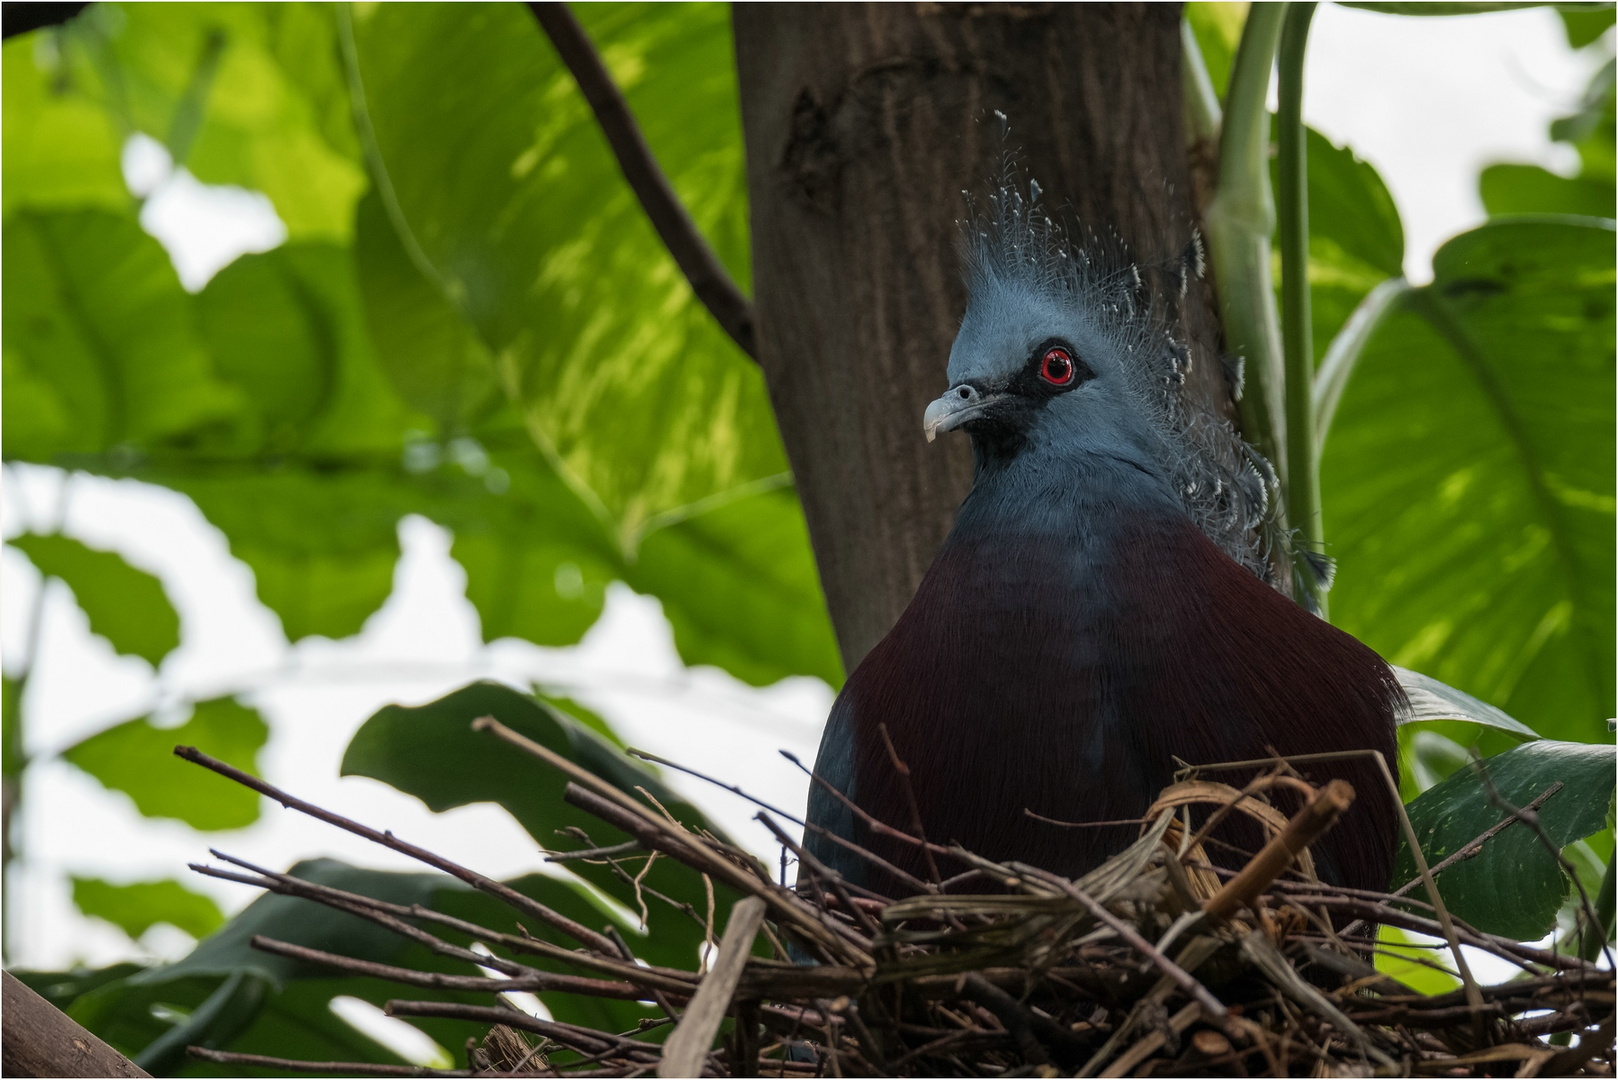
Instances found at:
x=1056 y=367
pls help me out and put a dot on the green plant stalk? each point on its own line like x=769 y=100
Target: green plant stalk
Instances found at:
x=1239 y=221
x=1597 y=937
x=1297 y=337
x=1202 y=113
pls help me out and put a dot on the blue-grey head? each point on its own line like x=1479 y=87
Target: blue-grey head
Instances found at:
x=1060 y=356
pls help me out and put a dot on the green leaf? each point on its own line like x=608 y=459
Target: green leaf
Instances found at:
x=322 y=548
x=1529 y=189
x=1432 y=700
x=739 y=585
x=1513 y=886
x=126 y=606
x=1585 y=23
x=537 y=240
x=431 y=752
x=138 y=759
x=1468 y=476
x=432 y=356
x=248 y=94
x=1398 y=957
x=60 y=150
x=96 y=322
x=137 y=907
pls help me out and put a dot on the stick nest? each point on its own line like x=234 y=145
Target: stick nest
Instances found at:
x=1158 y=963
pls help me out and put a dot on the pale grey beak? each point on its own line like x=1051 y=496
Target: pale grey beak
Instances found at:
x=958 y=405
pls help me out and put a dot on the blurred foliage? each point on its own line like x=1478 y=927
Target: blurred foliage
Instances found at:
x=137 y=907
x=471 y=320
x=137 y=758
x=504 y=348
x=126 y=606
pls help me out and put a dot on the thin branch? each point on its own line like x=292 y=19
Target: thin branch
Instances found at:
x=527 y=905
x=651 y=186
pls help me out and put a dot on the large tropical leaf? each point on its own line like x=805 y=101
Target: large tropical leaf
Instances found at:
x=537 y=241
x=246 y=94
x=1468 y=476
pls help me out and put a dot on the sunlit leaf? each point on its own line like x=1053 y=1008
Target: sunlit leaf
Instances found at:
x=126 y=606
x=138 y=759
x=245 y=94
x=137 y=907
x=535 y=237
x=1530 y=189
x=96 y=321
x=1513 y=886
x=60 y=149
x=1468 y=477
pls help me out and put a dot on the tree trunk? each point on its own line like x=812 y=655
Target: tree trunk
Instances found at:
x=864 y=123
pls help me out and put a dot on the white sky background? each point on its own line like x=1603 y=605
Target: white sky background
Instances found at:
x=1427 y=101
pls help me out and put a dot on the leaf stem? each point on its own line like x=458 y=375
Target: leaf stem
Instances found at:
x=1240 y=220
x=1297 y=336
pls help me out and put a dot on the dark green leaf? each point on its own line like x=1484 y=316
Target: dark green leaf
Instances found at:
x=1468 y=476
x=432 y=753
x=229 y=995
x=1432 y=700
x=139 y=906
x=126 y=606
x=1513 y=886
x=138 y=759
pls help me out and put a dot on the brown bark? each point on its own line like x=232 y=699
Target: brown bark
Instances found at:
x=40 y=1040
x=863 y=125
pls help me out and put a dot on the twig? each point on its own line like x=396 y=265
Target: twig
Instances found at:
x=569 y=1035
x=528 y=906
x=337 y=1068
x=1445 y=923
x=702 y=268
x=533 y=980
x=910 y=795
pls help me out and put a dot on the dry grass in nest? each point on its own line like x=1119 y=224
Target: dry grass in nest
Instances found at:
x=1157 y=963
